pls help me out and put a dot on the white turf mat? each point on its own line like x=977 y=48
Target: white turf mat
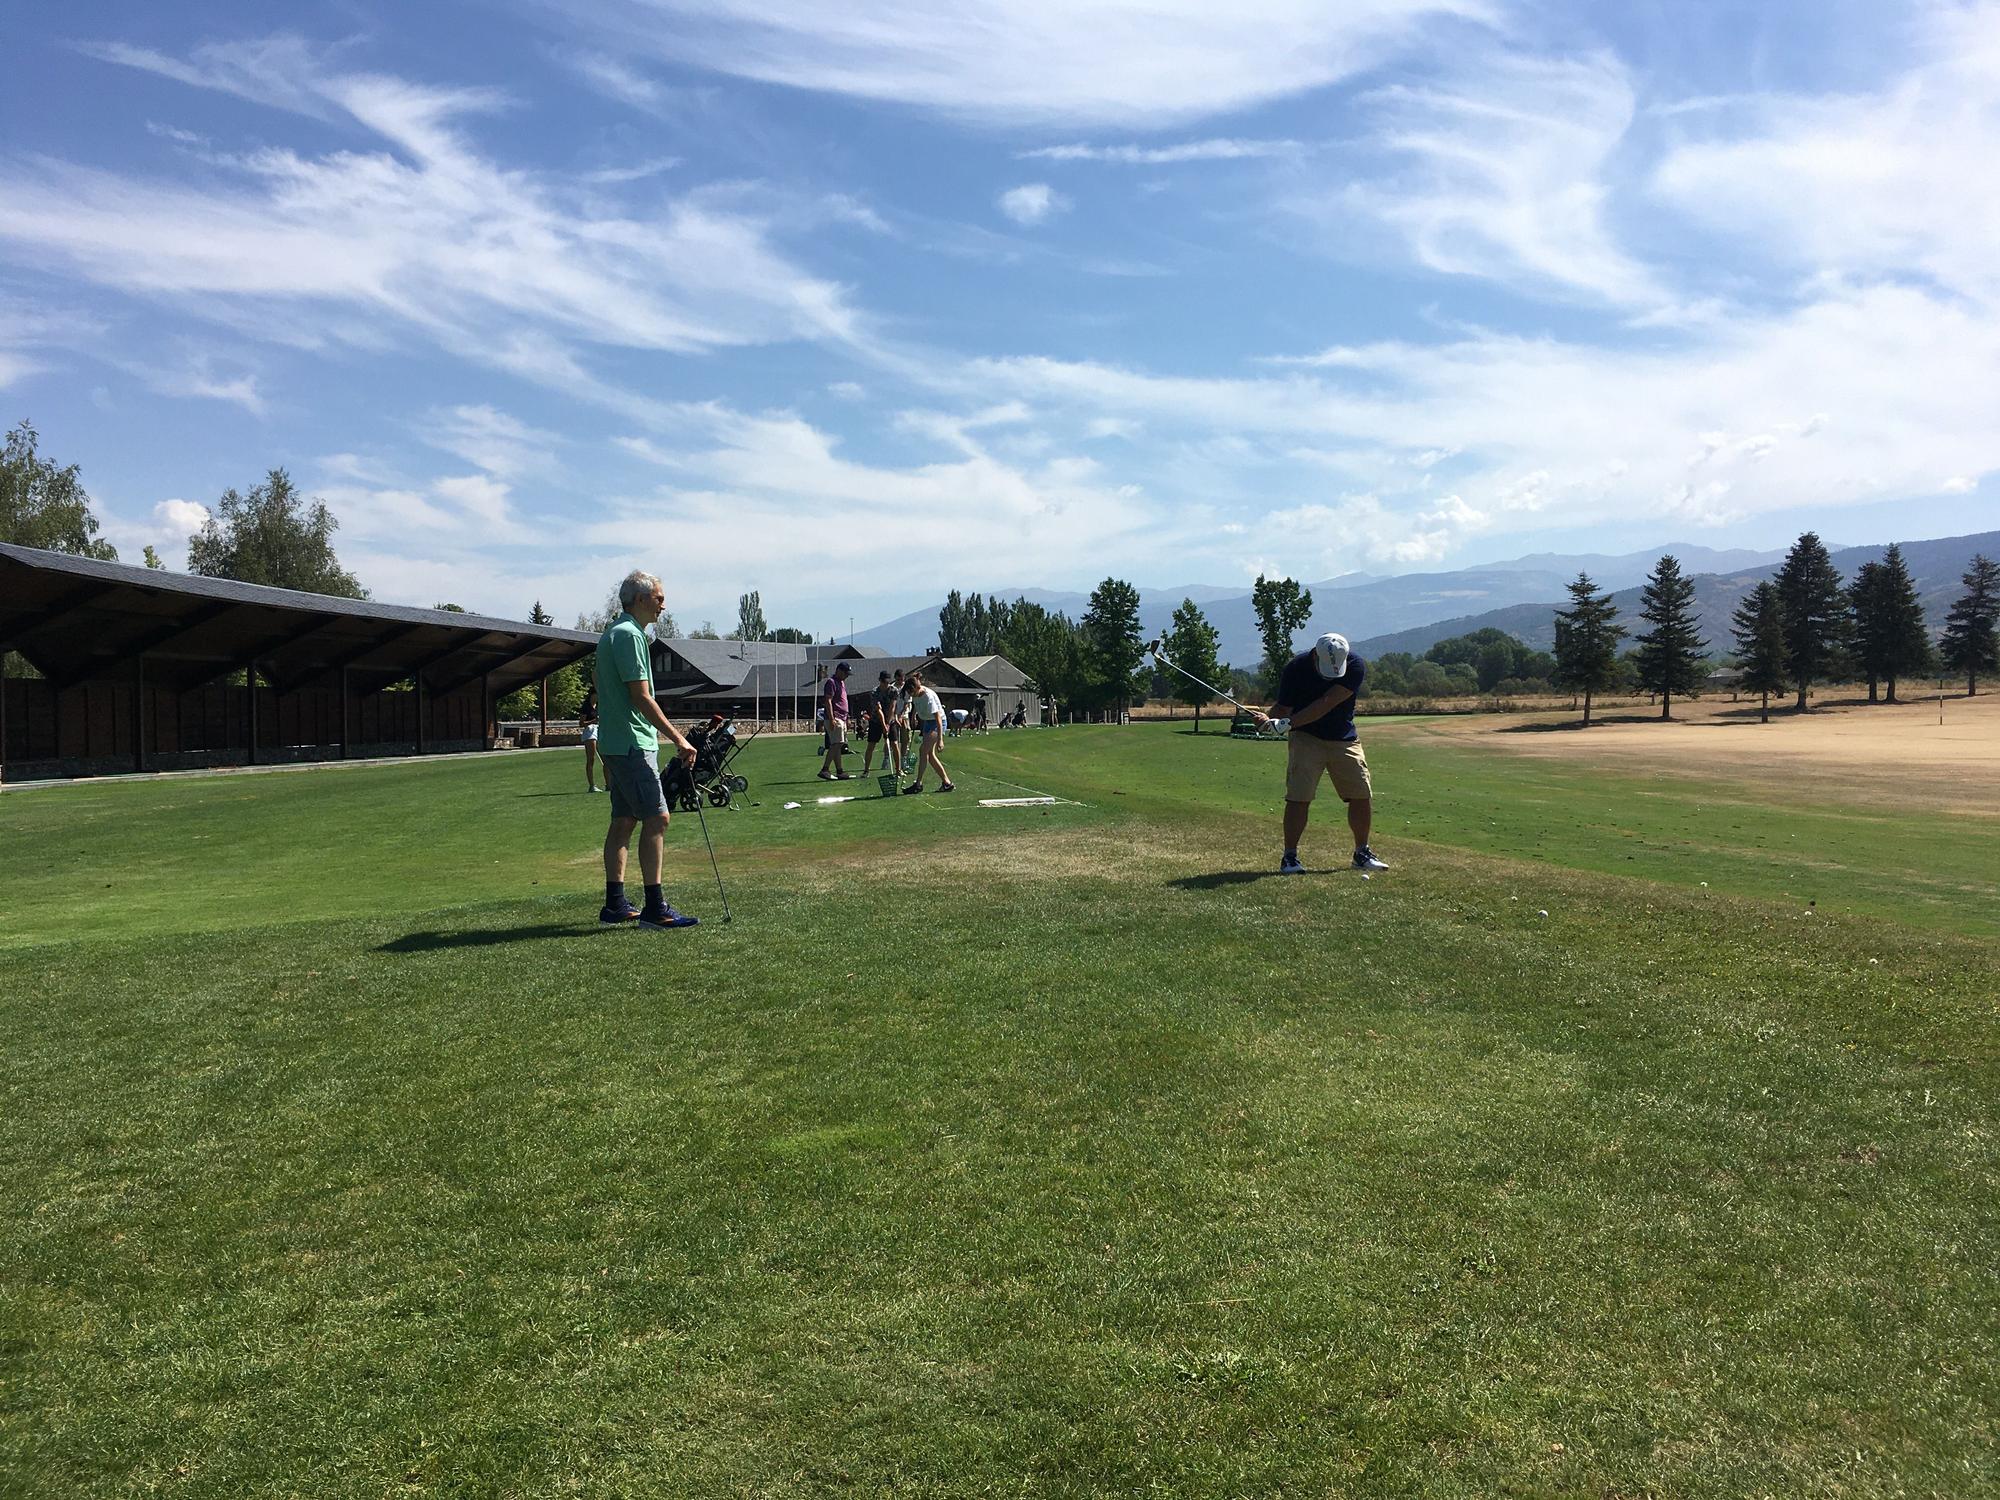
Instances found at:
x=1019 y=801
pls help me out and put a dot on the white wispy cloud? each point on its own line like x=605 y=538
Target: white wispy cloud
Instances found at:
x=503 y=446
x=1504 y=172
x=1222 y=149
x=426 y=238
x=1812 y=406
x=1895 y=182
x=1032 y=203
x=1139 y=63
x=736 y=498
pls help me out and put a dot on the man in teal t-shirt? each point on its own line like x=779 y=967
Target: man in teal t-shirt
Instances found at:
x=629 y=725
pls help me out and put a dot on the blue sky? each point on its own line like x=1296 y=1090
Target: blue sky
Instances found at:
x=853 y=304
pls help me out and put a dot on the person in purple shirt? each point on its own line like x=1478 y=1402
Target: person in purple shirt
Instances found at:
x=833 y=703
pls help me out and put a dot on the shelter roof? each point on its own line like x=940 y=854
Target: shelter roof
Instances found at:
x=77 y=619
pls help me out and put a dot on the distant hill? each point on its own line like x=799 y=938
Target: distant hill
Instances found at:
x=1936 y=565
x=1356 y=604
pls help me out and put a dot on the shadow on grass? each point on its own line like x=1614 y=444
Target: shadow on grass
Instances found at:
x=1565 y=726
x=487 y=937
x=1220 y=879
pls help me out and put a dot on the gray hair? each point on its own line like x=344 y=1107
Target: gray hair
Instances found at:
x=635 y=585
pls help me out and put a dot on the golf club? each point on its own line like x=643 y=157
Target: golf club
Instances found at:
x=1153 y=648
x=711 y=859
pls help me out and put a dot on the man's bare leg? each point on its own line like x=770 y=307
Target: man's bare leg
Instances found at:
x=1296 y=814
x=652 y=849
x=615 y=840
x=1359 y=815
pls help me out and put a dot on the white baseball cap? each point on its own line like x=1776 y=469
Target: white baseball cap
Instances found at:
x=1330 y=655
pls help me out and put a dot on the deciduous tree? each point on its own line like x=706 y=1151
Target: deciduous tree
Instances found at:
x=1281 y=607
x=1111 y=634
x=43 y=504
x=274 y=536
x=1191 y=644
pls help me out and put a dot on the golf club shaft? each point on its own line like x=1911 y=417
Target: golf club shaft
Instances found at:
x=703 y=820
x=1167 y=661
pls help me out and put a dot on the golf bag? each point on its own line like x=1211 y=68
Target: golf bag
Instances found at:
x=715 y=746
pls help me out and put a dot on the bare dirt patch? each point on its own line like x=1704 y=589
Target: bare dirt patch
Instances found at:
x=1878 y=753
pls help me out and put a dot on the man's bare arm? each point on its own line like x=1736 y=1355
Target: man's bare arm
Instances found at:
x=642 y=694
x=1319 y=708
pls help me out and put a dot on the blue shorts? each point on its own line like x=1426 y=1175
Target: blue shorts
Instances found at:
x=634 y=784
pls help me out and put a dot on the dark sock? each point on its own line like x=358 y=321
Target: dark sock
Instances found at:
x=614 y=892
x=1292 y=852
x=654 y=900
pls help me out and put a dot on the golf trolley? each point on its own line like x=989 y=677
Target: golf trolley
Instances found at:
x=715 y=746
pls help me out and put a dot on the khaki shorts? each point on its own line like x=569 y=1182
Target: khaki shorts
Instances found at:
x=1308 y=755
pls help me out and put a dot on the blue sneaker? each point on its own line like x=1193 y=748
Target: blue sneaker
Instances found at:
x=666 y=919
x=617 y=916
x=1291 y=865
x=1364 y=859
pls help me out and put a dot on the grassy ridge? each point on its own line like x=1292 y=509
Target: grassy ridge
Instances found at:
x=989 y=1152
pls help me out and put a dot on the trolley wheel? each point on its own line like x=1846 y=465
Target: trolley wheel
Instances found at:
x=690 y=801
x=718 y=795
x=739 y=784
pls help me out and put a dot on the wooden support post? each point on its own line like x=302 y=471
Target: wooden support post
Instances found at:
x=139 y=712
x=419 y=680
x=343 y=713
x=545 y=711
x=3 y=718
x=488 y=730
x=250 y=687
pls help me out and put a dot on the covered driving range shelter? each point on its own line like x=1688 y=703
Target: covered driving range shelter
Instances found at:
x=146 y=670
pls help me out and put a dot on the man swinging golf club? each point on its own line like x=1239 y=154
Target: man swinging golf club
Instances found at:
x=1316 y=692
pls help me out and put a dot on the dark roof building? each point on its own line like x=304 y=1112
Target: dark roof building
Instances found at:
x=120 y=649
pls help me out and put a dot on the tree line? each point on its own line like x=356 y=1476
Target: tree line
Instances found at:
x=1804 y=626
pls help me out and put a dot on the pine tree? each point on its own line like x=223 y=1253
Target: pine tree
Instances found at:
x=1816 y=618
x=1907 y=642
x=1191 y=645
x=1891 y=639
x=1669 y=655
x=1587 y=636
x=539 y=616
x=1970 y=643
x=1759 y=629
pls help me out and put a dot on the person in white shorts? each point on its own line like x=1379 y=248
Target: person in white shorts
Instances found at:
x=929 y=714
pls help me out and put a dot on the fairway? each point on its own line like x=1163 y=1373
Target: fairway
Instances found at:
x=1632 y=1135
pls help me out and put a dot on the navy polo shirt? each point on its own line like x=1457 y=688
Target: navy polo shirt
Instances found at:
x=1300 y=686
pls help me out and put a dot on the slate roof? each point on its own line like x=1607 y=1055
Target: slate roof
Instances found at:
x=78 y=619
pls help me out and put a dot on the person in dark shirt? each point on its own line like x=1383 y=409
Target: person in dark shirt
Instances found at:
x=879 y=708
x=586 y=720
x=1316 y=693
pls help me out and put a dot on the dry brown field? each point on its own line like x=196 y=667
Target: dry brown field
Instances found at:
x=1878 y=753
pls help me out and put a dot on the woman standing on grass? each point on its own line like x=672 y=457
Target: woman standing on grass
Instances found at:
x=586 y=720
x=929 y=714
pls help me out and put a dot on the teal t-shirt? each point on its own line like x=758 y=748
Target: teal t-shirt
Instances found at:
x=621 y=658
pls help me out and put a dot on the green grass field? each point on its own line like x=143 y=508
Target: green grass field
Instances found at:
x=1032 y=1151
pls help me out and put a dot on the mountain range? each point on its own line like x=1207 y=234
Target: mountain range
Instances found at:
x=1936 y=566
x=1359 y=605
